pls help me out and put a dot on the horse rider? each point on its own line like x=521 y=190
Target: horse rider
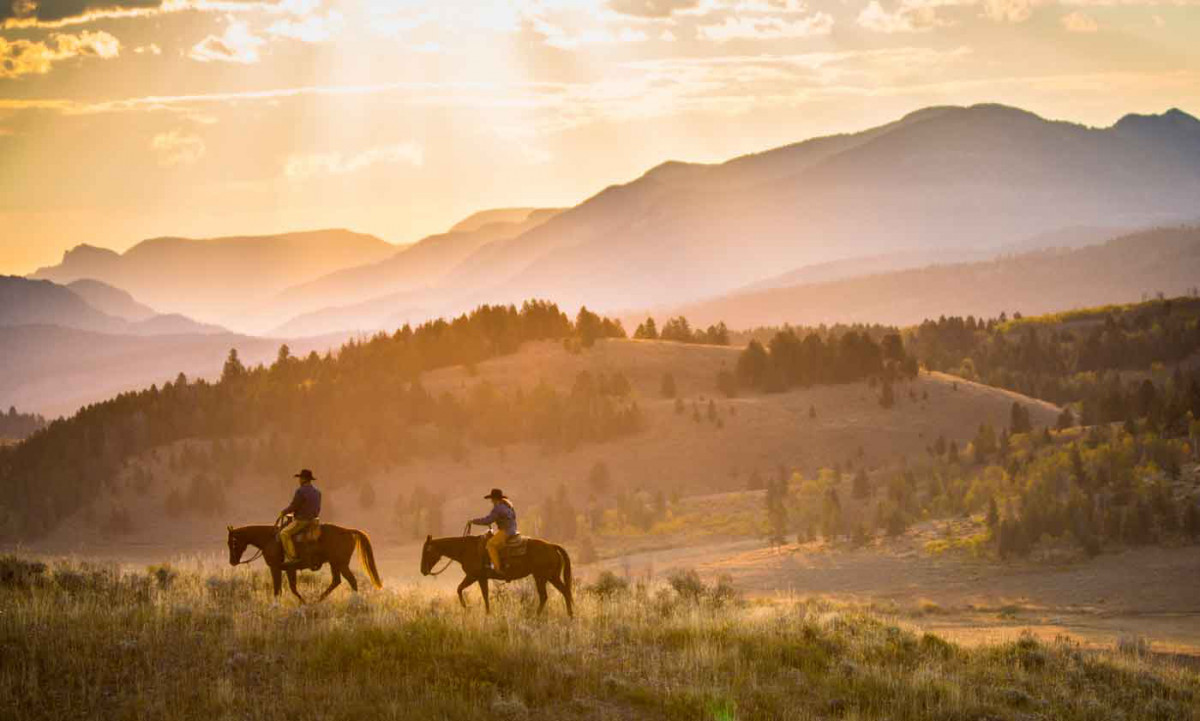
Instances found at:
x=505 y=517
x=305 y=508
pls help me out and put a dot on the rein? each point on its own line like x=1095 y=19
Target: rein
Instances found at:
x=253 y=558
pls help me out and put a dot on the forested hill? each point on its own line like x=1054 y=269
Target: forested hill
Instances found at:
x=1111 y=363
x=364 y=405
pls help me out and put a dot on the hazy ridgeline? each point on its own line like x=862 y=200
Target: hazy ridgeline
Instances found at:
x=201 y=642
x=370 y=392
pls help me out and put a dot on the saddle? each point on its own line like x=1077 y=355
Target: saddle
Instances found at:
x=307 y=547
x=513 y=547
x=312 y=534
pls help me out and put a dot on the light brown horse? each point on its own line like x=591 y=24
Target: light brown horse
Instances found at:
x=546 y=562
x=335 y=547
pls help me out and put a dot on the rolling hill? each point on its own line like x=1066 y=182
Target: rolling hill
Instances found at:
x=1125 y=269
x=674 y=452
x=219 y=280
x=945 y=180
x=332 y=302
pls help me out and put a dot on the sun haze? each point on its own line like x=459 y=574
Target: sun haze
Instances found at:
x=122 y=120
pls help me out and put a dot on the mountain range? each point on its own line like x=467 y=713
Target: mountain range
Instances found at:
x=946 y=210
x=947 y=182
x=942 y=184
x=220 y=280
x=1123 y=270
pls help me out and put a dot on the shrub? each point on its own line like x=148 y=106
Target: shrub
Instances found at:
x=687 y=584
x=608 y=585
x=163 y=575
x=19 y=573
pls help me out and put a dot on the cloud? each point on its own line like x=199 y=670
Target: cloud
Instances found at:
x=651 y=8
x=303 y=167
x=24 y=13
x=1077 y=22
x=910 y=16
x=310 y=28
x=1008 y=11
x=767 y=28
x=27 y=57
x=177 y=148
x=237 y=45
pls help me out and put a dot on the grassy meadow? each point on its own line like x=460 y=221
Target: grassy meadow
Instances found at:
x=208 y=642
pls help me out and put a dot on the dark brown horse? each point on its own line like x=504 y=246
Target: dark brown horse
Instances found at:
x=546 y=562
x=335 y=547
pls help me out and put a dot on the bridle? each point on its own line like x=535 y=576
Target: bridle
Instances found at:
x=466 y=532
x=252 y=559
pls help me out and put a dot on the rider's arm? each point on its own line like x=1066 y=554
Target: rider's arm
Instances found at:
x=297 y=500
x=487 y=520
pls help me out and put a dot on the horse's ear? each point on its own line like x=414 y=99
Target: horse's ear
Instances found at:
x=428 y=538
x=230 y=528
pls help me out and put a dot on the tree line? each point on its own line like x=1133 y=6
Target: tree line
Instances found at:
x=16 y=426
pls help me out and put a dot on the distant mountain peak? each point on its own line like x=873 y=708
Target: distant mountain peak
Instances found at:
x=83 y=251
x=673 y=170
x=1171 y=119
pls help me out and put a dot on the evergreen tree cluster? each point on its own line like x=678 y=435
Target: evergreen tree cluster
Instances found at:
x=681 y=331
x=363 y=407
x=1096 y=360
x=787 y=361
x=17 y=426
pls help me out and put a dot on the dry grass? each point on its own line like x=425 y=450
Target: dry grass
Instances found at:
x=208 y=643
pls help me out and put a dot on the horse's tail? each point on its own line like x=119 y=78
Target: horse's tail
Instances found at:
x=368 y=556
x=566 y=559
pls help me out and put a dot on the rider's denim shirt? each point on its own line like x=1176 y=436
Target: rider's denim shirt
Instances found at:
x=306 y=504
x=503 y=515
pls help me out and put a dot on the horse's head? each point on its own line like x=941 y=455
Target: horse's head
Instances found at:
x=430 y=555
x=237 y=546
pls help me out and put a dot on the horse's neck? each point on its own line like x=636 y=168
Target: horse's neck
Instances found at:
x=457 y=547
x=258 y=536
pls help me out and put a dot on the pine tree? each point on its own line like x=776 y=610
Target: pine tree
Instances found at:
x=887 y=398
x=667 y=387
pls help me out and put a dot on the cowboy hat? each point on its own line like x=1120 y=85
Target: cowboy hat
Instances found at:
x=495 y=495
x=305 y=475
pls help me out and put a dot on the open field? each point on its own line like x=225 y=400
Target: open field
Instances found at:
x=205 y=642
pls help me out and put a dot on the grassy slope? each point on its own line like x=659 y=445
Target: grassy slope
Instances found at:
x=84 y=643
x=673 y=452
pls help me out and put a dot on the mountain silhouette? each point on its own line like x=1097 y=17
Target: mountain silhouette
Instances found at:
x=25 y=302
x=415 y=267
x=958 y=181
x=219 y=279
x=1125 y=269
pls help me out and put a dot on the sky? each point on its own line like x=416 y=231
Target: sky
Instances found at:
x=122 y=120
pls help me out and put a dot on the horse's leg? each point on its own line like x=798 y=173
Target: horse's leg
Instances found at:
x=337 y=581
x=562 y=588
x=483 y=588
x=349 y=576
x=541 y=589
x=276 y=580
x=468 y=580
x=291 y=577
